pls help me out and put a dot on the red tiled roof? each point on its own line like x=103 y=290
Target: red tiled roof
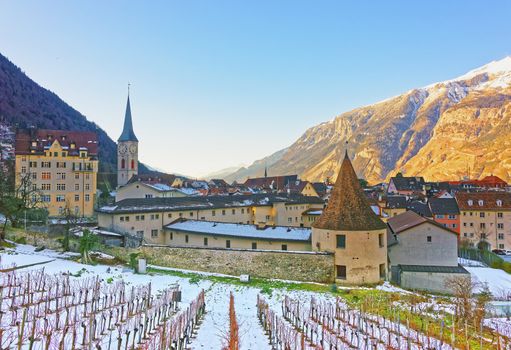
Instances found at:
x=489 y=200
x=409 y=219
x=45 y=138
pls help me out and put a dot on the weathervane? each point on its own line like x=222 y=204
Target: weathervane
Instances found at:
x=129 y=88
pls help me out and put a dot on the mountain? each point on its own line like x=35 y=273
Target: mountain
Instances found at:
x=222 y=173
x=447 y=130
x=23 y=103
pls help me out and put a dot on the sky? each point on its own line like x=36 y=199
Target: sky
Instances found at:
x=216 y=84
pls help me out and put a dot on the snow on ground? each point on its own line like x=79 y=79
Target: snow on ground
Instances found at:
x=498 y=281
x=472 y=263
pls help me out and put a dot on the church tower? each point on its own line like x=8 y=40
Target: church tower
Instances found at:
x=350 y=230
x=127 y=150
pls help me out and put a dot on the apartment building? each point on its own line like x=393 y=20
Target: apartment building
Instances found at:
x=61 y=166
x=485 y=219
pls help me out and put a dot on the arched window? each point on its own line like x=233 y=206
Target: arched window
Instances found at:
x=132 y=164
x=499 y=203
x=481 y=202
x=470 y=202
x=123 y=163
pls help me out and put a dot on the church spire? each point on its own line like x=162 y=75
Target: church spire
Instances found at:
x=127 y=132
x=265 y=171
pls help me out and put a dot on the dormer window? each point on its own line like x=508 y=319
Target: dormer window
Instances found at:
x=499 y=203
x=481 y=202
x=34 y=143
x=470 y=202
x=73 y=145
x=64 y=137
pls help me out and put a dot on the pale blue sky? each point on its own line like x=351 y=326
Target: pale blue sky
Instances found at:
x=219 y=83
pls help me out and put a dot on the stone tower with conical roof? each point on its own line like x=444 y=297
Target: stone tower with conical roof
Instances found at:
x=127 y=150
x=350 y=230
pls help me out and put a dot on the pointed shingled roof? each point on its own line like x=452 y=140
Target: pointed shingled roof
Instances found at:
x=348 y=208
x=127 y=132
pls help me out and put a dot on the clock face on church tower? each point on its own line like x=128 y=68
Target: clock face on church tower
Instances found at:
x=123 y=149
x=133 y=149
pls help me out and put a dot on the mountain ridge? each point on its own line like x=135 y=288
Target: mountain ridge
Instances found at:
x=424 y=131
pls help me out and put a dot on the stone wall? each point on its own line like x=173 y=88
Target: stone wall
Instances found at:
x=289 y=265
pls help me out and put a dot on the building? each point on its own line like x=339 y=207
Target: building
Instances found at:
x=422 y=253
x=206 y=234
x=302 y=187
x=394 y=205
x=140 y=189
x=127 y=150
x=62 y=165
x=350 y=229
x=445 y=211
x=485 y=219
x=406 y=186
x=146 y=217
x=270 y=183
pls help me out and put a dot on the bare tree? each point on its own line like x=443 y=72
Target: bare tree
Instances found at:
x=462 y=289
x=17 y=197
x=70 y=222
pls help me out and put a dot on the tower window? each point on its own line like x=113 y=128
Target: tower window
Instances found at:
x=132 y=164
x=341 y=241
x=123 y=163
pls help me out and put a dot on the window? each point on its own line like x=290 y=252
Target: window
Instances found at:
x=205 y=241
x=440 y=216
x=341 y=241
x=46 y=176
x=429 y=239
x=87 y=197
x=87 y=187
x=228 y=243
x=289 y=220
x=46 y=187
x=500 y=236
x=500 y=215
x=223 y=212
x=267 y=217
x=60 y=198
x=471 y=224
x=499 y=203
x=154 y=233
x=480 y=202
x=140 y=233
x=341 y=272
x=23 y=169
x=191 y=214
x=132 y=164
x=46 y=198
x=127 y=218
x=284 y=247
x=34 y=176
x=61 y=187
x=169 y=215
x=87 y=176
x=452 y=217
x=500 y=225
x=234 y=212
x=142 y=217
x=149 y=196
x=77 y=197
x=454 y=225
x=470 y=202
x=213 y=213
x=501 y=246
x=254 y=245
x=186 y=239
x=243 y=211
x=137 y=217
x=152 y=216
x=77 y=187
x=380 y=240
x=482 y=225
x=464 y=224
x=171 y=236
x=77 y=176
x=121 y=218
x=382 y=271
x=123 y=163
x=481 y=214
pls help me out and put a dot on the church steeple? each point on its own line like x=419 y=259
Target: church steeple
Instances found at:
x=127 y=132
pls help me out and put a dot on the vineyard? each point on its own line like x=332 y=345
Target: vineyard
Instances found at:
x=42 y=311
x=332 y=325
x=49 y=301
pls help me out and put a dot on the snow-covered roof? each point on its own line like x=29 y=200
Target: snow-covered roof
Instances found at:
x=280 y=233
